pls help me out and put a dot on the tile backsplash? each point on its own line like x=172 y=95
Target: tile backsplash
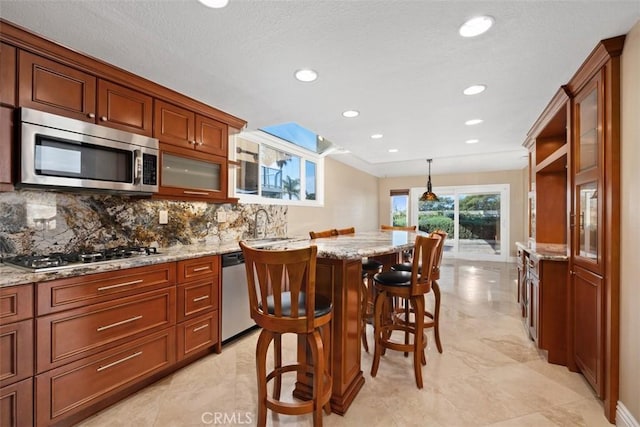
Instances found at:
x=41 y=222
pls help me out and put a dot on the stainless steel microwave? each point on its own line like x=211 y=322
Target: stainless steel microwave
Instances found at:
x=64 y=153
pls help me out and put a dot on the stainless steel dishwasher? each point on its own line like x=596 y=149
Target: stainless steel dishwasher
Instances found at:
x=235 y=297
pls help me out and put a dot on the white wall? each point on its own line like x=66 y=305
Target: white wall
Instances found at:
x=630 y=225
x=350 y=199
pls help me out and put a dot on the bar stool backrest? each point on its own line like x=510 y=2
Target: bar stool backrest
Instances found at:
x=425 y=253
x=324 y=233
x=285 y=282
x=436 y=268
x=398 y=227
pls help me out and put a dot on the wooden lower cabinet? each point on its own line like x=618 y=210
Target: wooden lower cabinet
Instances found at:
x=65 y=391
x=16 y=404
x=16 y=352
x=199 y=294
x=588 y=326
x=74 y=334
x=197 y=334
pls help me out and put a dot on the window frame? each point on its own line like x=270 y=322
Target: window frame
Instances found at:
x=265 y=139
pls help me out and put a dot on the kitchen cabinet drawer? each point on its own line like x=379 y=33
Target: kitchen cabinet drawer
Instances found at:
x=198 y=267
x=64 y=391
x=197 y=297
x=64 y=294
x=55 y=88
x=16 y=404
x=70 y=335
x=16 y=352
x=197 y=334
x=16 y=303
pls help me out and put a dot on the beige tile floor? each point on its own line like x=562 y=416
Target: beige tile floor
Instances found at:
x=490 y=374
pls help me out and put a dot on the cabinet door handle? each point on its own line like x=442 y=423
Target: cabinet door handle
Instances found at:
x=199 y=143
x=91 y=115
x=203 y=297
x=117 y=362
x=195 y=270
x=199 y=328
x=122 y=322
x=198 y=193
x=119 y=285
x=192 y=142
x=103 y=118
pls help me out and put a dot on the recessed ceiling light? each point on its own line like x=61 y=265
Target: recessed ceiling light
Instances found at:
x=393 y=150
x=473 y=122
x=376 y=136
x=351 y=113
x=472 y=141
x=474 y=90
x=216 y=4
x=476 y=26
x=306 y=75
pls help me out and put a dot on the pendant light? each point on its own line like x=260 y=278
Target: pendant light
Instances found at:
x=429 y=196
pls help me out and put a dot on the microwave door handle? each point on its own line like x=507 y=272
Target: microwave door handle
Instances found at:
x=137 y=166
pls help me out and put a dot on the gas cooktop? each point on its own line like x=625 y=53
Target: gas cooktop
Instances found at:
x=59 y=260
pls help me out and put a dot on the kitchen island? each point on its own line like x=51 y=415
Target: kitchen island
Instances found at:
x=338 y=277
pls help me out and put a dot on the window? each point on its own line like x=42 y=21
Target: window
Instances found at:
x=271 y=170
x=476 y=217
x=399 y=207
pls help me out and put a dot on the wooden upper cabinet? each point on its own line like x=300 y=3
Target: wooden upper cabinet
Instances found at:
x=7 y=75
x=174 y=125
x=6 y=148
x=55 y=88
x=125 y=109
x=211 y=136
x=184 y=128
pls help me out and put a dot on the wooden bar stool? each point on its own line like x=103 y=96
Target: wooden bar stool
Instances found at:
x=282 y=299
x=433 y=319
x=411 y=286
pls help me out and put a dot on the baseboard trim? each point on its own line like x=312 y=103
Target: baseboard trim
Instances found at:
x=624 y=417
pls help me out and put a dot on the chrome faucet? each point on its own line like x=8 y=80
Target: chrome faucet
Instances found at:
x=255 y=221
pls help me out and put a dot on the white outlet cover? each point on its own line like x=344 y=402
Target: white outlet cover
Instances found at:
x=163 y=217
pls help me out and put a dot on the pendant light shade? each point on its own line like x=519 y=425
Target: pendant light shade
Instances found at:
x=429 y=196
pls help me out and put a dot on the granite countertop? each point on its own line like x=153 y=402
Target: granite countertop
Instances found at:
x=546 y=251
x=351 y=246
x=357 y=245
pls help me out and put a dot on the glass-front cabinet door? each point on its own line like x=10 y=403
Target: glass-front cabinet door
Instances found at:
x=197 y=177
x=587 y=190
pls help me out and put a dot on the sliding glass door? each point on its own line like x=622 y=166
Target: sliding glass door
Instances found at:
x=476 y=218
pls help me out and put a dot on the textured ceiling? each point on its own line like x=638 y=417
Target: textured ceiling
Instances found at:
x=400 y=63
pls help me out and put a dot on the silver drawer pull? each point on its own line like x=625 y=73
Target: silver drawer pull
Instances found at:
x=203 y=297
x=199 y=193
x=133 y=282
x=122 y=322
x=199 y=328
x=200 y=268
x=117 y=362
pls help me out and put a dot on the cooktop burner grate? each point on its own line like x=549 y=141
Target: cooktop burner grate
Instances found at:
x=58 y=260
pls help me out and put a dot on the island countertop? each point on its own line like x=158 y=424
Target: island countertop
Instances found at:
x=350 y=246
